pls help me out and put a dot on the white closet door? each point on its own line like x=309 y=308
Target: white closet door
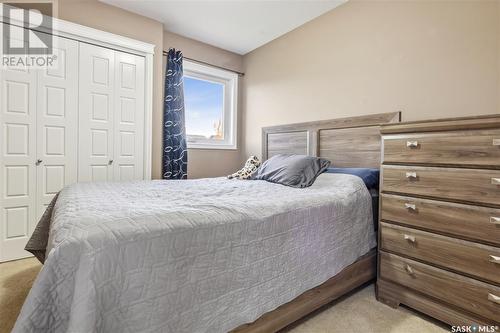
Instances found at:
x=96 y=105
x=57 y=123
x=17 y=161
x=129 y=117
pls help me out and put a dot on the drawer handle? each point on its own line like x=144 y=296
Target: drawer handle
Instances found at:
x=411 y=144
x=496 y=142
x=495 y=181
x=409 y=270
x=494 y=259
x=495 y=220
x=410 y=206
x=409 y=238
x=494 y=298
x=413 y=175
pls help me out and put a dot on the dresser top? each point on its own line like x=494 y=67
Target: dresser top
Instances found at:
x=445 y=124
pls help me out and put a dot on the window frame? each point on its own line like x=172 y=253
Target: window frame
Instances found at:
x=229 y=80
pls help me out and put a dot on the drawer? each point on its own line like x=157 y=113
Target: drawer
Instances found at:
x=464 y=221
x=479 y=148
x=466 y=293
x=471 y=258
x=469 y=185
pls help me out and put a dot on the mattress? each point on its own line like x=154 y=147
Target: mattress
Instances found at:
x=194 y=255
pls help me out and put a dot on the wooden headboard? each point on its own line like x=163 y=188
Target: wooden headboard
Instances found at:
x=347 y=142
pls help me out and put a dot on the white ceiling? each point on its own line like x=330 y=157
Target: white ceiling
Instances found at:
x=239 y=26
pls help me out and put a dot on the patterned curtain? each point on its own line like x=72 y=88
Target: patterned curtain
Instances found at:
x=174 y=132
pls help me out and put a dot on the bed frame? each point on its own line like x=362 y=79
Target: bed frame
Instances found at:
x=347 y=142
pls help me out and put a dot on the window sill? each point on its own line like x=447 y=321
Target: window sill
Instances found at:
x=211 y=147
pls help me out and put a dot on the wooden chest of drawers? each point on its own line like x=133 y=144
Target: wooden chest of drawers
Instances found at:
x=439 y=235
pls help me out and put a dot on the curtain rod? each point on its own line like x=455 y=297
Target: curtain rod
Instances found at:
x=165 y=53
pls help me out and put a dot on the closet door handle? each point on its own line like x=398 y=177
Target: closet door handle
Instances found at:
x=409 y=238
x=494 y=298
x=410 y=206
x=496 y=142
x=495 y=220
x=494 y=259
x=411 y=175
x=411 y=144
x=110 y=162
x=38 y=162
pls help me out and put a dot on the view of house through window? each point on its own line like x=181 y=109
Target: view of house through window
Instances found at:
x=210 y=98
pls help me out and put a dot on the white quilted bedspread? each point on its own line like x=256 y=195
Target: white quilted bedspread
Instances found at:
x=191 y=256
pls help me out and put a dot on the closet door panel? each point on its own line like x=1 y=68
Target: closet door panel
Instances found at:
x=17 y=160
x=129 y=117
x=96 y=113
x=57 y=123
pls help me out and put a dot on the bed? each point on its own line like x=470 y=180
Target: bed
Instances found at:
x=210 y=255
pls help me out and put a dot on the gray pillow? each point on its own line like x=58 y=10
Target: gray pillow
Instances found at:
x=291 y=170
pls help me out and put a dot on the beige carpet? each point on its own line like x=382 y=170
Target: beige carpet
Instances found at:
x=358 y=312
x=16 y=278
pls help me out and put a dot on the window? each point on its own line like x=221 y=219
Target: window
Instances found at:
x=210 y=98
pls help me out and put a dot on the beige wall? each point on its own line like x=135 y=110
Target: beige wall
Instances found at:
x=104 y=17
x=202 y=162
x=430 y=59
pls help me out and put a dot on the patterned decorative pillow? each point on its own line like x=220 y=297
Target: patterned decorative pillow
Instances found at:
x=251 y=165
